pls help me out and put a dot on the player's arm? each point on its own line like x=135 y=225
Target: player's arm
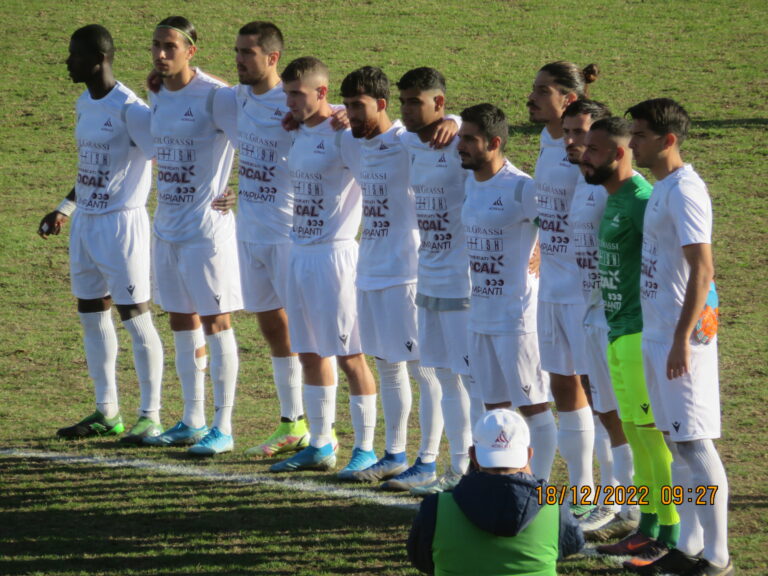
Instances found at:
x=53 y=221
x=702 y=271
x=445 y=132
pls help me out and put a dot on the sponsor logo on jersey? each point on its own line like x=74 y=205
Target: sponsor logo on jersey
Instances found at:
x=188 y=113
x=107 y=127
x=320 y=146
x=591 y=197
x=383 y=146
x=442 y=161
x=498 y=202
x=616 y=220
x=277 y=113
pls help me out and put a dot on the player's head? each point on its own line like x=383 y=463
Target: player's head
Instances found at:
x=482 y=136
x=174 y=43
x=422 y=98
x=657 y=126
x=90 y=48
x=257 y=51
x=577 y=119
x=607 y=149
x=556 y=85
x=305 y=82
x=366 y=93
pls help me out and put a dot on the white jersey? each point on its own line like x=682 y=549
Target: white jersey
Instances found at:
x=587 y=209
x=389 y=240
x=114 y=148
x=326 y=197
x=265 y=209
x=555 y=183
x=438 y=179
x=678 y=213
x=498 y=217
x=192 y=129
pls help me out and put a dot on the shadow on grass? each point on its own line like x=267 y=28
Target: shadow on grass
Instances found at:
x=60 y=519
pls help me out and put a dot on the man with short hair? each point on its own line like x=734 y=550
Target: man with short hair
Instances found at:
x=679 y=331
x=561 y=306
x=613 y=452
x=110 y=237
x=497 y=520
x=265 y=219
x=607 y=161
x=194 y=256
x=322 y=316
x=498 y=216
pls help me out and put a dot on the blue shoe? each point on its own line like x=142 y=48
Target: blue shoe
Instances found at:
x=215 y=442
x=311 y=458
x=389 y=466
x=179 y=435
x=420 y=474
x=361 y=459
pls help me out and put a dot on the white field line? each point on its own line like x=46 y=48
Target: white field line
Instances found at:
x=368 y=494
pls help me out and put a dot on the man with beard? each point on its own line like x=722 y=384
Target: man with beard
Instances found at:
x=607 y=161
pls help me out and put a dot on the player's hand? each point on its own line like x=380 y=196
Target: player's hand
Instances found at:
x=154 y=81
x=339 y=120
x=289 y=122
x=225 y=202
x=51 y=224
x=535 y=262
x=444 y=133
x=679 y=359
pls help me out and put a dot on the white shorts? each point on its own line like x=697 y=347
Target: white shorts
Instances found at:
x=387 y=320
x=109 y=255
x=264 y=275
x=506 y=368
x=321 y=302
x=600 y=386
x=202 y=276
x=688 y=408
x=444 y=339
x=561 y=338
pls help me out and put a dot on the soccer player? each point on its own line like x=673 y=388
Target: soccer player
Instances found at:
x=498 y=217
x=386 y=280
x=611 y=447
x=442 y=296
x=680 y=354
x=110 y=237
x=265 y=218
x=607 y=161
x=195 y=249
x=322 y=316
x=561 y=305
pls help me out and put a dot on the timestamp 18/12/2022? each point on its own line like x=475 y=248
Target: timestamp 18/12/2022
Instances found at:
x=620 y=495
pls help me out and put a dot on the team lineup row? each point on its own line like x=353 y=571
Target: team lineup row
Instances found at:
x=441 y=287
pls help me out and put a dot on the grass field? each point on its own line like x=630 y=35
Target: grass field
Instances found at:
x=86 y=516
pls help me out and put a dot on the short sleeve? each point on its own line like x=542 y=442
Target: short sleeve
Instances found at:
x=691 y=210
x=225 y=112
x=137 y=122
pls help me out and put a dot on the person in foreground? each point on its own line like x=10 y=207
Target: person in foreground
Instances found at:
x=493 y=522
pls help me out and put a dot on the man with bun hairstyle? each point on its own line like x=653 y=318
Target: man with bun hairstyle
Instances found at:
x=561 y=307
x=110 y=237
x=679 y=339
x=496 y=521
x=195 y=260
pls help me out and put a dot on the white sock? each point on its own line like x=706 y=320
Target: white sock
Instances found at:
x=691 y=539
x=287 y=375
x=100 y=341
x=707 y=470
x=363 y=412
x=191 y=372
x=623 y=470
x=430 y=412
x=148 y=360
x=543 y=441
x=396 y=401
x=320 y=403
x=225 y=362
x=476 y=404
x=576 y=440
x=455 y=406
x=604 y=458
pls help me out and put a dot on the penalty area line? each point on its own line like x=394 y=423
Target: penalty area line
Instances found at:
x=369 y=495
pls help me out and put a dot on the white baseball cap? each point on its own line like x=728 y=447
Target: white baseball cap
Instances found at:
x=501 y=439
